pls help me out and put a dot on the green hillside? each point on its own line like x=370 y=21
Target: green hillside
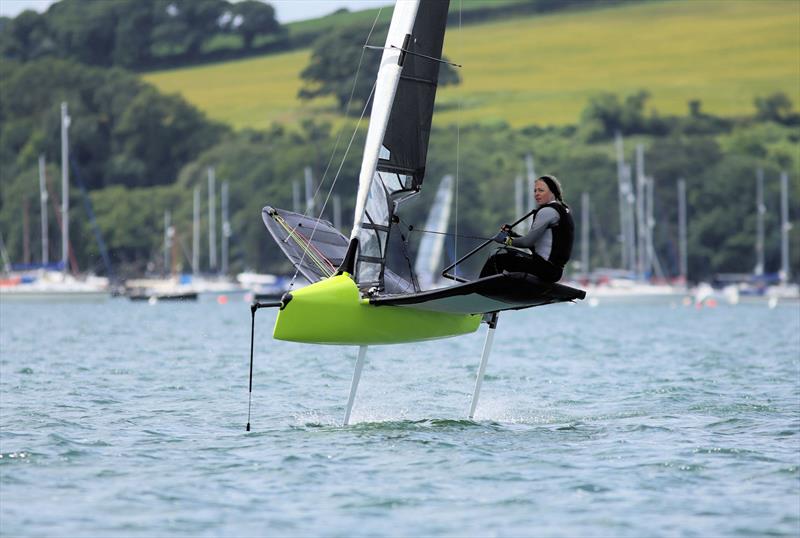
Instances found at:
x=542 y=69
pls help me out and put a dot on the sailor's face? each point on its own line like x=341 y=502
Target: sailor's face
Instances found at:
x=542 y=193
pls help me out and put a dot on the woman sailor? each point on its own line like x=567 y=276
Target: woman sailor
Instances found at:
x=549 y=239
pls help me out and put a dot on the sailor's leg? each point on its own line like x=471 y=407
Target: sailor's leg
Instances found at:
x=487 y=348
x=362 y=352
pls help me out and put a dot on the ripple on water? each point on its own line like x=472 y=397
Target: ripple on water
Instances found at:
x=640 y=422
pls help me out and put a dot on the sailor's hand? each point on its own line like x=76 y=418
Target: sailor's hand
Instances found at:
x=505 y=228
x=501 y=237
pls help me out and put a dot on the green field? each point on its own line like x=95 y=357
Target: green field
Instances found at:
x=542 y=70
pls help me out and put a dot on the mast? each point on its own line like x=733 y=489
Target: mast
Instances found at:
x=337 y=212
x=760 y=212
x=519 y=197
x=653 y=263
x=26 y=232
x=65 y=121
x=641 y=226
x=630 y=220
x=682 y=239
x=785 y=227
x=43 y=211
x=585 y=234
x=295 y=197
x=309 y=191
x=385 y=88
x=396 y=147
x=167 y=241
x=226 y=228
x=196 y=232
x=4 y=256
x=531 y=170
x=623 y=200
x=212 y=223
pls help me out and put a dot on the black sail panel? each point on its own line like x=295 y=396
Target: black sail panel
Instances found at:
x=409 y=126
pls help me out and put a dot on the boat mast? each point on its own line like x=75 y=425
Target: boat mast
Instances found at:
x=337 y=212
x=760 y=212
x=212 y=223
x=4 y=256
x=531 y=170
x=226 y=228
x=43 y=210
x=295 y=197
x=196 y=232
x=385 y=89
x=623 y=201
x=653 y=263
x=682 y=239
x=785 y=227
x=519 y=196
x=585 y=234
x=167 y=241
x=26 y=231
x=309 y=191
x=630 y=206
x=641 y=226
x=65 y=121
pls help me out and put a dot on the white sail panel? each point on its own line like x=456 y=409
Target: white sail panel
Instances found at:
x=405 y=12
x=431 y=246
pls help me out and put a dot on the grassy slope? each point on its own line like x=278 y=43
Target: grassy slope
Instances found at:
x=543 y=69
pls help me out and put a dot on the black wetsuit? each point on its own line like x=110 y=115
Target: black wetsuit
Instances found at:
x=550 y=243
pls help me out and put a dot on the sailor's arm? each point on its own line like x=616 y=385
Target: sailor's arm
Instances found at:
x=545 y=218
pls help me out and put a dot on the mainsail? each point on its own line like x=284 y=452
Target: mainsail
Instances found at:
x=395 y=151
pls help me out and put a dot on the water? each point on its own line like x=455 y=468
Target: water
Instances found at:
x=128 y=420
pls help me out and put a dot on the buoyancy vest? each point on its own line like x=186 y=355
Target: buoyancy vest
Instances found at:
x=563 y=235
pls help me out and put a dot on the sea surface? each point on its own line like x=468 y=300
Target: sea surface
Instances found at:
x=128 y=419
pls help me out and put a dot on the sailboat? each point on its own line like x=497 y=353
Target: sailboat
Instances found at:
x=362 y=288
x=52 y=282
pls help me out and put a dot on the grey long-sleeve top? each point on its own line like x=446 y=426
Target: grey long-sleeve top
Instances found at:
x=540 y=238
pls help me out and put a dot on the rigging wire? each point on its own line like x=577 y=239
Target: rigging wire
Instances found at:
x=336 y=145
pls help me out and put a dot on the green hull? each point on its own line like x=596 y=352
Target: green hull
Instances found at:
x=331 y=312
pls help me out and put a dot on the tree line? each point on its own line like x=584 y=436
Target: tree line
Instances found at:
x=141 y=153
x=137 y=35
x=145 y=35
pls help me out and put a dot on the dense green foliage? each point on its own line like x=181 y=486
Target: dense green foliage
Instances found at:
x=135 y=34
x=141 y=153
x=141 y=35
